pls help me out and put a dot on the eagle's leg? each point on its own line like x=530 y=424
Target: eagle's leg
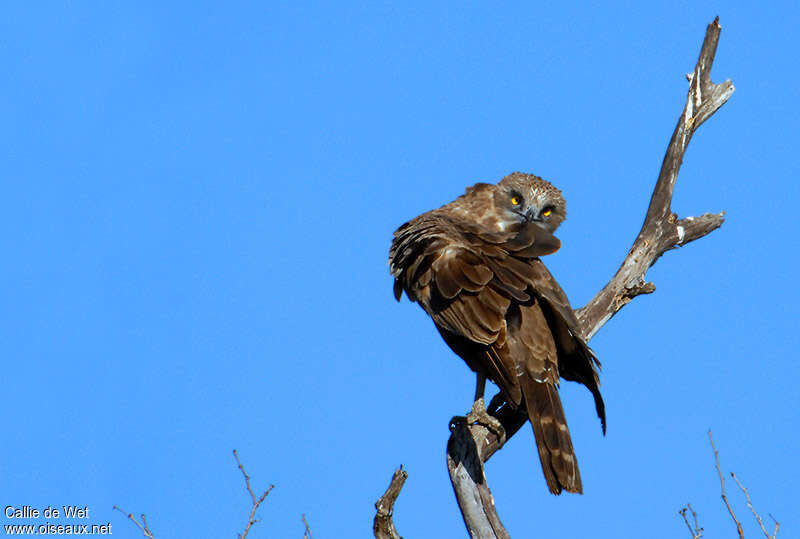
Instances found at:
x=495 y=404
x=479 y=415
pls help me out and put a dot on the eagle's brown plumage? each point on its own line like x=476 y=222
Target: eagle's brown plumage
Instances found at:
x=474 y=266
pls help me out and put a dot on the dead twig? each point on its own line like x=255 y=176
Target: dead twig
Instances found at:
x=777 y=525
x=256 y=502
x=382 y=526
x=142 y=527
x=697 y=531
x=752 y=509
x=722 y=486
x=307 y=532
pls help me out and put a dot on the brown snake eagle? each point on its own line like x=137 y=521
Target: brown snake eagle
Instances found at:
x=474 y=266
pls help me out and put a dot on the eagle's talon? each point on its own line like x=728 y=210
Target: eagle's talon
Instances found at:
x=479 y=416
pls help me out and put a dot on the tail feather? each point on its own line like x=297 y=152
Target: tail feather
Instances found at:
x=553 y=441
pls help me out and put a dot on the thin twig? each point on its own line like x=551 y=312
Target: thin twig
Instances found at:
x=697 y=531
x=752 y=509
x=256 y=502
x=307 y=532
x=777 y=525
x=142 y=527
x=722 y=485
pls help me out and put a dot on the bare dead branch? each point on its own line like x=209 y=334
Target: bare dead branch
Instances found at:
x=662 y=230
x=382 y=526
x=465 y=464
x=697 y=531
x=142 y=527
x=307 y=532
x=752 y=509
x=470 y=446
x=722 y=486
x=256 y=502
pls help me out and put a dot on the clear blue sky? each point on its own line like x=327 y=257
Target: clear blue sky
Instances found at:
x=197 y=206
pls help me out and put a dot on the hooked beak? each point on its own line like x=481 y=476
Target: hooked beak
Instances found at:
x=532 y=216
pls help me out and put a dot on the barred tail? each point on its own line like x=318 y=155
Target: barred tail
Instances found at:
x=553 y=441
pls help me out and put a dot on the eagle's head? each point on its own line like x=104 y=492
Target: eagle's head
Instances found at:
x=530 y=199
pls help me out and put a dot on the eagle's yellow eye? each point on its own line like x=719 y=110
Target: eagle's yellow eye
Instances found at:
x=547 y=212
x=515 y=200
